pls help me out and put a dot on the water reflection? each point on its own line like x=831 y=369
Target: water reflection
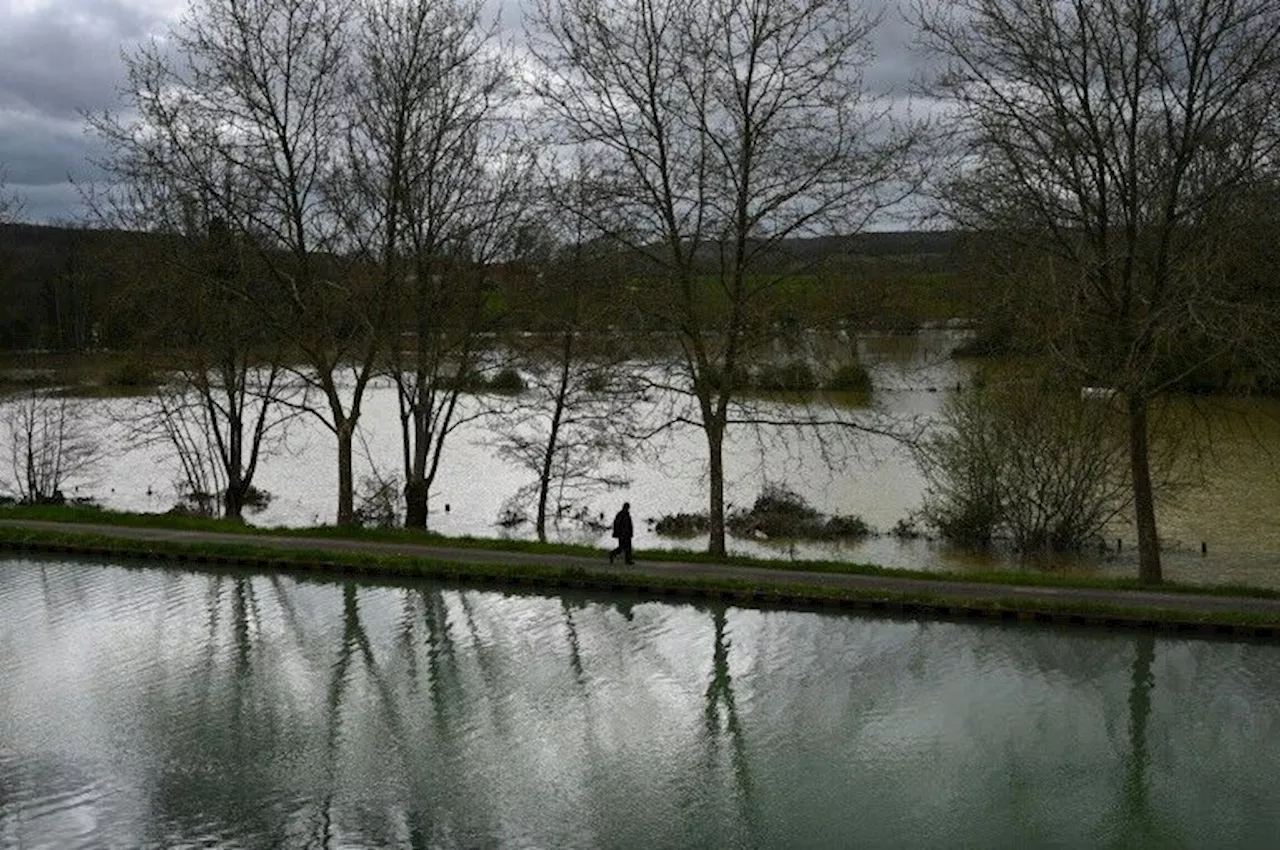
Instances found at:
x=149 y=708
x=724 y=730
x=1136 y=824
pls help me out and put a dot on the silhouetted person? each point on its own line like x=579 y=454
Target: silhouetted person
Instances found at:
x=622 y=531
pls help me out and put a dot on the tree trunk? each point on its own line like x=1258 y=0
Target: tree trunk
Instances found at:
x=544 y=474
x=553 y=436
x=544 y=490
x=715 y=447
x=237 y=486
x=233 y=500
x=417 y=436
x=415 y=503
x=346 y=488
x=1144 y=508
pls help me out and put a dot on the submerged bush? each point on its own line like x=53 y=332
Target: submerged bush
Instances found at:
x=906 y=529
x=506 y=381
x=779 y=512
x=776 y=513
x=131 y=373
x=682 y=525
x=798 y=376
x=794 y=376
x=379 y=501
x=1027 y=463
x=841 y=527
x=850 y=377
x=256 y=499
x=194 y=502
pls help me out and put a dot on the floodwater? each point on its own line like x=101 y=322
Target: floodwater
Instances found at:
x=1226 y=529
x=146 y=707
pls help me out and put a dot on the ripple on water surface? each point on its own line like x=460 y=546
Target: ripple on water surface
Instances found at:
x=168 y=708
x=53 y=800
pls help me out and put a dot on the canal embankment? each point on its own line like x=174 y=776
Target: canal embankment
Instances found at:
x=1178 y=610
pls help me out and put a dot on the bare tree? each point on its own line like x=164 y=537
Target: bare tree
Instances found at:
x=244 y=107
x=1105 y=142
x=49 y=442
x=227 y=395
x=232 y=380
x=717 y=130
x=435 y=187
x=10 y=204
x=219 y=420
x=1026 y=462
x=582 y=405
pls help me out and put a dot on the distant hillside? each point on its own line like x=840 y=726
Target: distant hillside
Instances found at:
x=51 y=241
x=56 y=283
x=59 y=284
x=904 y=243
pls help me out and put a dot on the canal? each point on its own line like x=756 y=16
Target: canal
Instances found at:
x=154 y=707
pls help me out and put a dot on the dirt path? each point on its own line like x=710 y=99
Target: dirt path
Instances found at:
x=946 y=596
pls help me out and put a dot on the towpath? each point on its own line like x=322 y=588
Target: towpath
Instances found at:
x=948 y=596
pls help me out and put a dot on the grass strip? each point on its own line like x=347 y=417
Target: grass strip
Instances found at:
x=1021 y=578
x=328 y=564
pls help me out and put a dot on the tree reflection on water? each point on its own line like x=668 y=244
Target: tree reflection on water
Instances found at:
x=163 y=707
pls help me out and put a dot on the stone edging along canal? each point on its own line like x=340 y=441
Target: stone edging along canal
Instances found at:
x=751 y=586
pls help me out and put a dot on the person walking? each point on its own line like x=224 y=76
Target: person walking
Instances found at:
x=622 y=530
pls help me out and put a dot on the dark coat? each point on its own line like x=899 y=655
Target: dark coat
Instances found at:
x=622 y=525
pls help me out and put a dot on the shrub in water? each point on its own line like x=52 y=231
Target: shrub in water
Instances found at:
x=256 y=499
x=906 y=529
x=130 y=373
x=850 y=377
x=1025 y=462
x=795 y=376
x=777 y=512
x=378 y=502
x=682 y=525
x=846 y=528
x=507 y=381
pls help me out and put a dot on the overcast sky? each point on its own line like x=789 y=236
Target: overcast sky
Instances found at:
x=59 y=58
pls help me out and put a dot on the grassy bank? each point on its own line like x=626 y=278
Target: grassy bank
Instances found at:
x=902 y=598
x=67 y=513
x=324 y=564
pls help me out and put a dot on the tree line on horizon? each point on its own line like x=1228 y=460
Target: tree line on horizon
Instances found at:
x=70 y=287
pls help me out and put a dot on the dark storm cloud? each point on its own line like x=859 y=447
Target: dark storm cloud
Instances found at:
x=55 y=203
x=58 y=58
x=38 y=149
x=897 y=64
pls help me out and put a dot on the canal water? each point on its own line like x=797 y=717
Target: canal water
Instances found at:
x=144 y=707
